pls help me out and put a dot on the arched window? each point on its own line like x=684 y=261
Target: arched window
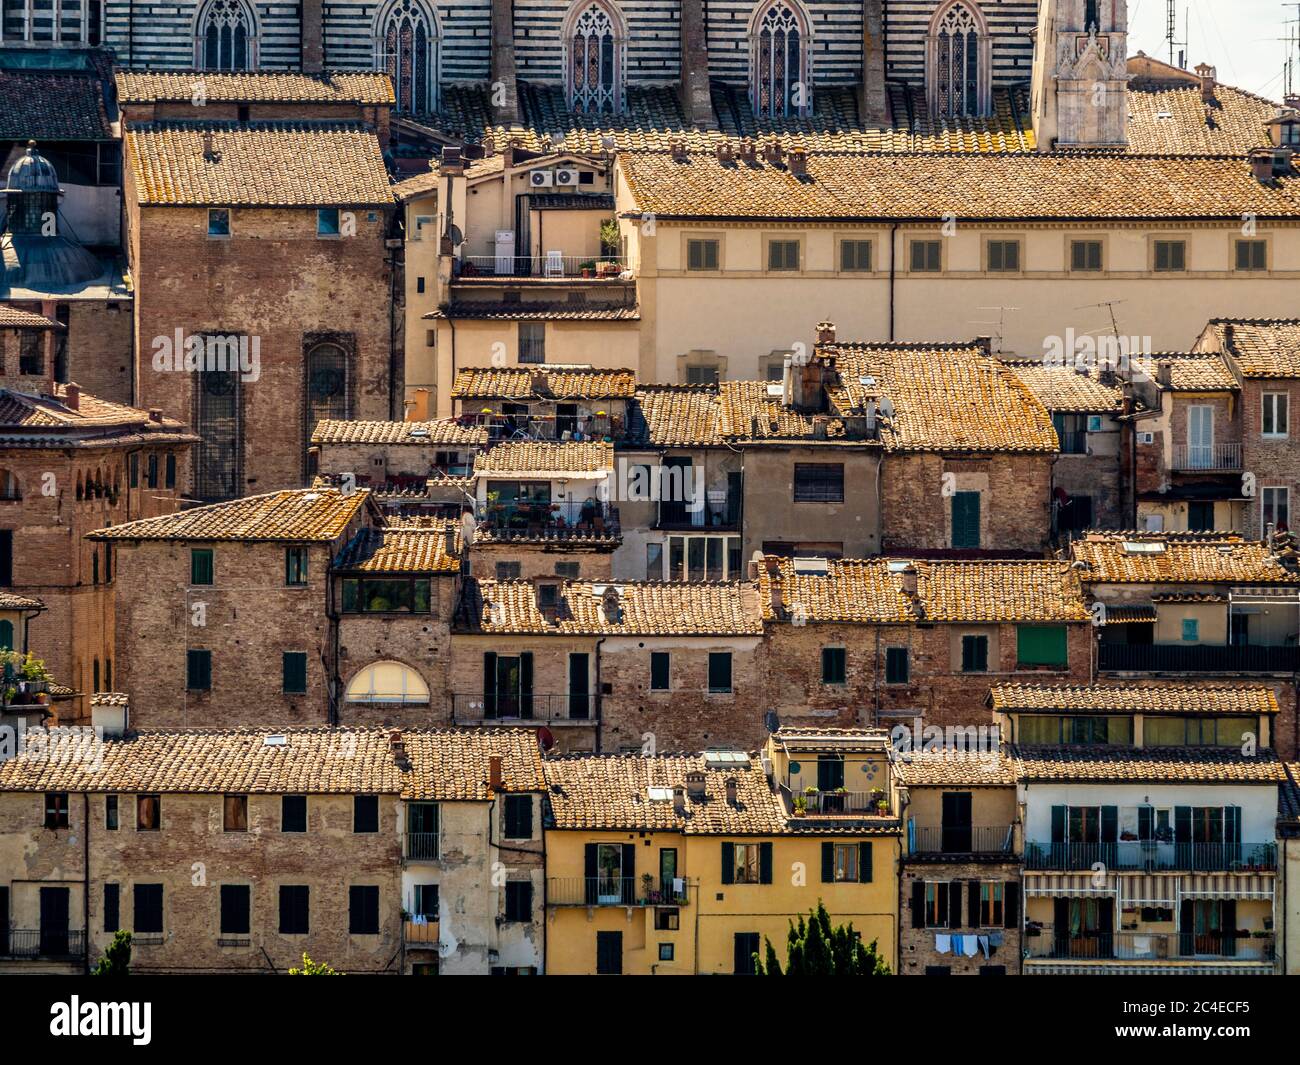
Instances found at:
x=958 y=57
x=407 y=49
x=327 y=385
x=388 y=682
x=780 y=83
x=226 y=36
x=1091 y=15
x=596 y=44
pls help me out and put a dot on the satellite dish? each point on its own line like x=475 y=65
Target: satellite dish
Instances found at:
x=467 y=526
x=886 y=407
x=454 y=234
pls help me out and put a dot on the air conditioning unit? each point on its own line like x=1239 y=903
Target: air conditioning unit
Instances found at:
x=565 y=176
x=540 y=179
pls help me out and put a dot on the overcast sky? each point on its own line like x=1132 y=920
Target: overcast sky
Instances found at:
x=1242 y=38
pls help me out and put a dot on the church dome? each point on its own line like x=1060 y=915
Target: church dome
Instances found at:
x=32 y=173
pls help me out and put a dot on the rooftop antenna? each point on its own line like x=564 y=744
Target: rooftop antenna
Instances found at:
x=1000 y=323
x=1292 y=40
x=1171 y=34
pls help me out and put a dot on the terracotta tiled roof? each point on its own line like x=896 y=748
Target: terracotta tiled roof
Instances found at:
x=1157 y=765
x=145 y=86
x=809 y=738
x=1134 y=698
x=888 y=187
x=258 y=164
x=680 y=415
x=32 y=421
x=448 y=764
x=607 y=791
x=51 y=107
x=566 y=383
x=967 y=768
x=12 y=601
x=1189 y=372
x=1064 y=390
x=110 y=699
x=871 y=591
x=537 y=311
x=1261 y=347
x=1187 y=559
x=750 y=413
x=314 y=761
x=402 y=550
x=1167 y=114
x=646 y=609
x=537 y=457
x=948 y=397
x=13 y=318
x=444 y=431
x=316 y=514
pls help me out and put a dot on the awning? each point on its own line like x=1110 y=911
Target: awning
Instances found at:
x=1149 y=891
x=1077 y=885
x=1227 y=886
x=1112 y=969
x=1128 y=615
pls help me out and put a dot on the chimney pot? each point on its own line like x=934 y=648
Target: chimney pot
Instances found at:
x=449 y=539
x=798 y=162
x=1206 y=74
x=825 y=332
x=695 y=784
x=1261 y=165
x=679 y=800
x=155 y=414
x=748 y=150
x=678 y=149
x=1165 y=373
x=72 y=396
x=209 y=152
x=726 y=153
x=732 y=791
x=494 y=772
x=910 y=581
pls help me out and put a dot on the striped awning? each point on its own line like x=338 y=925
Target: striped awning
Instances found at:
x=1077 y=885
x=1262 y=969
x=1226 y=886
x=1148 y=891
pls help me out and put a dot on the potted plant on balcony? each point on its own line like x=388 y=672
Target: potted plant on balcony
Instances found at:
x=800 y=806
x=588 y=267
x=647 y=888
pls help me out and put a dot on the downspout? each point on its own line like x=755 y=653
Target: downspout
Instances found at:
x=451 y=322
x=85 y=890
x=391 y=263
x=600 y=699
x=332 y=616
x=893 y=275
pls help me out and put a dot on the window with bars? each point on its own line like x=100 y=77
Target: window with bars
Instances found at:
x=818 y=482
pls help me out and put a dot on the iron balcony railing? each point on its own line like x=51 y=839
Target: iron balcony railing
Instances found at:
x=572 y=267
x=1046 y=942
x=1207 y=458
x=613 y=891
x=966 y=839
x=818 y=803
x=478 y=708
x=543 y=426
x=1198 y=658
x=42 y=943
x=1152 y=856
x=684 y=515
x=551 y=520
x=421 y=846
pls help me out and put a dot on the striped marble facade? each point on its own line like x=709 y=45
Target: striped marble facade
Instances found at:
x=1010 y=23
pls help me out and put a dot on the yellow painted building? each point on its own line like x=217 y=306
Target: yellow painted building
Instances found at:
x=686 y=863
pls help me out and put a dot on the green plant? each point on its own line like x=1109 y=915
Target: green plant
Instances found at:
x=589 y=264
x=314 y=968
x=814 y=948
x=15 y=664
x=609 y=237
x=117 y=957
x=800 y=804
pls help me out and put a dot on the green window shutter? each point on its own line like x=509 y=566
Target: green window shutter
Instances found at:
x=728 y=863
x=294 y=667
x=965 y=519
x=201 y=565
x=765 y=863
x=828 y=863
x=896 y=665
x=198 y=670
x=1041 y=645
x=489 y=684
x=864 y=862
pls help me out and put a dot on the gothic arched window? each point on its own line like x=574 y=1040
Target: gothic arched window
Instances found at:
x=594 y=65
x=226 y=36
x=408 y=42
x=958 y=55
x=779 y=80
x=327 y=385
x=1091 y=15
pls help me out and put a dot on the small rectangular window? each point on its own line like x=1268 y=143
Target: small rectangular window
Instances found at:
x=201 y=566
x=295 y=909
x=148 y=909
x=1252 y=255
x=834 y=665
x=665 y=951
x=927 y=256
x=363 y=910
x=702 y=375
x=855 y=256
x=327 y=222
x=1004 y=256
x=660 y=671
x=110 y=813
x=783 y=255
x=235 y=909
x=293 y=813
x=1085 y=256
x=508 y=571
x=148 y=813
x=171 y=472
x=974 y=654
x=1276 y=507
x=701 y=254
x=218 y=222
x=1275 y=414
x=56 y=809
x=518 y=815
x=1191 y=630
x=198 y=670
x=234 y=813
x=532 y=342
x=365 y=813
x=294 y=670
x=112 y=908
x=568 y=570
x=1170 y=256
x=719 y=671
x=295 y=566
x=897 y=666
x=519 y=901
x=818 y=482
x=133 y=471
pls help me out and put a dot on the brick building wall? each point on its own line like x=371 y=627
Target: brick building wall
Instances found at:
x=917 y=946
x=274 y=280
x=541 y=560
x=1015 y=494
x=1274 y=461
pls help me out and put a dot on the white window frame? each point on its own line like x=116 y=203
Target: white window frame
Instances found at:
x=1263 y=504
x=1264 y=410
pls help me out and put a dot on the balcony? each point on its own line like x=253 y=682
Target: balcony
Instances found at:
x=421 y=847
x=421 y=933
x=721 y=512
x=1207 y=458
x=550 y=521
x=935 y=840
x=840 y=803
x=554 y=267
x=1197 y=658
x=548 y=427
x=1043 y=942
x=1153 y=856
x=514 y=708
x=30 y=943
x=612 y=891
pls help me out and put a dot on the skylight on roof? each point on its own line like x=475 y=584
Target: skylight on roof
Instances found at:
x=660 y=794
x=726 y=758
x=1144 y=547
x=278 y=740
x=776 y=389
x=818 y=566
x=898 y=565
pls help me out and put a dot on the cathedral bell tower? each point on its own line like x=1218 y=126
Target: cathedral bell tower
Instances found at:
x=1080 y=82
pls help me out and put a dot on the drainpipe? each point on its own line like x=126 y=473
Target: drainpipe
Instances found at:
x=85 y=890
x=393 y=398
x=600 y=699
x=893 y=274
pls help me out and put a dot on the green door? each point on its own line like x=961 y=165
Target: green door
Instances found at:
x=966 y=519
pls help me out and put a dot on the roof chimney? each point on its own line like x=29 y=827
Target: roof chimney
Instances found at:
x=1261 y=165
x=798 y=162
x=494 y=772
x=695 y=784
x=748 y=150
x=397 y=745
x=1205 y=73
x=451 y=161
x=679 y=800
x=449 y=539
x=778 y=605
x=611 y=605
x=825 y=332
x=772 y=152
x=911 y=581
x=209 y=152
x=678 y=149
x=72 y=396
x=732 y=791
x=1165 y=373
x=539 y=382
x=726 y=153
